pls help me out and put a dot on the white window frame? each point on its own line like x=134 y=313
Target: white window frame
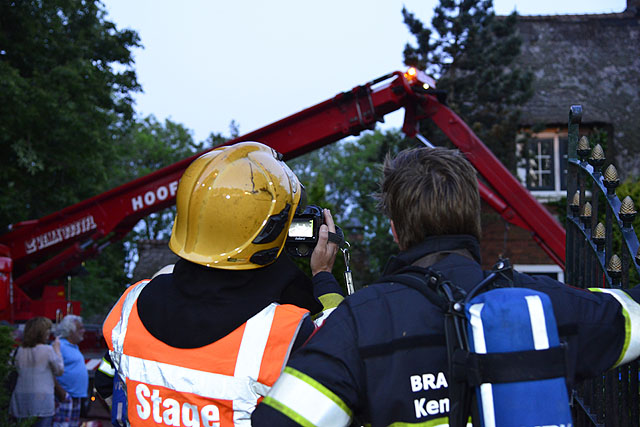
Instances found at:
x=545 y=195
x=540 y=269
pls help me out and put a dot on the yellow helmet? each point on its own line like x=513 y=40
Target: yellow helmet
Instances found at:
x=234 y=207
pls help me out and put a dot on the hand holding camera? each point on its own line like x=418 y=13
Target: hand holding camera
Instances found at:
x=304 y=231
x=324 y=254
x=313 y=233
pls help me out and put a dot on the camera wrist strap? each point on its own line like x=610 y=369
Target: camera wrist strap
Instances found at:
x=348 y=279
x=337 y=239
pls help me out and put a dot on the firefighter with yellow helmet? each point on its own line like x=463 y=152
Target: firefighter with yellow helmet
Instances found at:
x=204 y=343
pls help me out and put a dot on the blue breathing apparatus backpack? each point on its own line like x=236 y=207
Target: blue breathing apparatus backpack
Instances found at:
x=503 y=350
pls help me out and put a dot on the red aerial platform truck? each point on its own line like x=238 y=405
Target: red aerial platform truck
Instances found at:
x=35 y=253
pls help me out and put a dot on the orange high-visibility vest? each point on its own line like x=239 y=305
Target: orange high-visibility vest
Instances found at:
x=215 y=385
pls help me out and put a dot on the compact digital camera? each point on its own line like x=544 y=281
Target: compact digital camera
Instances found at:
x=304 y=231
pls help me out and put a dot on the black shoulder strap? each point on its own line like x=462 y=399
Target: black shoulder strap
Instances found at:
x=422 y=280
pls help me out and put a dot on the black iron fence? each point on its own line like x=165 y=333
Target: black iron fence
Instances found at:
x=602 y=251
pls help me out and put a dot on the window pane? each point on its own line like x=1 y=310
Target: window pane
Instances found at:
x=540 y=164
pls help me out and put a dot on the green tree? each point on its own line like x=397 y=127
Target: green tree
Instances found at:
x=214 y=139
x=472 y=53
x=7 y=345
x=100 y=282
x=66 y=81
x=629 y=188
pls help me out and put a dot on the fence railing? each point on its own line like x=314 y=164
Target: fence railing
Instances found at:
x=596 y=257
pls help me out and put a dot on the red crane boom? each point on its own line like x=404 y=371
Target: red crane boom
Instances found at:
x=40 y=251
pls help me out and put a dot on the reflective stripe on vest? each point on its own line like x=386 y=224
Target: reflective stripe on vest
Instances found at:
x=263 y=346
x=306 y=401
x=184 y=380
x=120 y=330
x=631 y=312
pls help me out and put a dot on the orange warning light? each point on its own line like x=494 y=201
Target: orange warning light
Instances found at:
x=411 y=74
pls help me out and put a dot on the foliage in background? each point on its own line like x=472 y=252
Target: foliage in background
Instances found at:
x=66 y=79
x=345 y=177
x=631 y=188
x=472 y=52
x=100 y=282
x=6 y=347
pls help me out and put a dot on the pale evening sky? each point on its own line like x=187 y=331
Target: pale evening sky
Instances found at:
x=208 y=62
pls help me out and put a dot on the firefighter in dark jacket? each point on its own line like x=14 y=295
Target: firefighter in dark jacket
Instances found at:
x=380 y=358
x=202 y=344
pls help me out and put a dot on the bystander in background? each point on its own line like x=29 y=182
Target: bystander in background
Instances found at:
x=37 y=363
x=75 y=380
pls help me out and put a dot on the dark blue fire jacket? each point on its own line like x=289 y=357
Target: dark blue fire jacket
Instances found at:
x=380 y=358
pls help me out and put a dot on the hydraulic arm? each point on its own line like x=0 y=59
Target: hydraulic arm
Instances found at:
x=47 y=249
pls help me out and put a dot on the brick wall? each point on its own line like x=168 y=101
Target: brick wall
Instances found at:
x=519 y=247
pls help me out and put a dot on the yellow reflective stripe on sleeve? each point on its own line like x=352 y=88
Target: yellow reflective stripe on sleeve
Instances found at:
x=106 y=368
x=631 y=312
x=329 y=303
x=331 y=300
x=287 y=411
x=306 y=401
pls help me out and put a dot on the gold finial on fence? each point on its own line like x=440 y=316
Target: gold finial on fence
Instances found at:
x=627 y=211
x=611 y=174
x=586 y=209
x=611 y=180
x=583 y=148
x=614 y=264
x=597 y=157
x=599 y=236
x=575 y=203
x=627 y=206
x=585 y=216
x=614 y=268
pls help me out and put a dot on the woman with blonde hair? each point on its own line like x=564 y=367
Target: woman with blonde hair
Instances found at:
x=37 y=363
